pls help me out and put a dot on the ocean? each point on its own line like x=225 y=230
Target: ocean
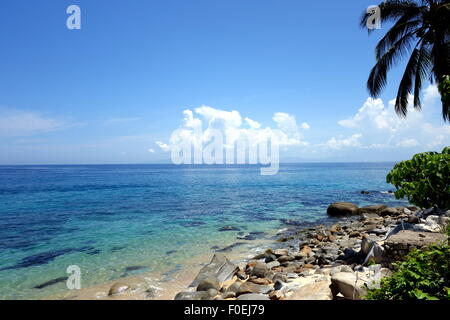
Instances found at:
x=108 y=219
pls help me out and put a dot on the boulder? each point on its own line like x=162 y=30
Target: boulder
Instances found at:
x=372 y=209
x=249 y=287
x=407 y=238
x=348 y=285
x=259 y=270
x=388 y=212
x=319 y=290
x=219 y=268
x=208 y=283
x=342 y=209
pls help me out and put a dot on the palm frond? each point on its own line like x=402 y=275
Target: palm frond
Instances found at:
x=406 y=84
x=378 y=74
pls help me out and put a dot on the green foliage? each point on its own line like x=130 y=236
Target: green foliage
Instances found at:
x=424 y=180
x=444 y=89
x=423 y=275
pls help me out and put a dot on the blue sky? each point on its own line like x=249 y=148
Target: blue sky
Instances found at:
x=114 y=91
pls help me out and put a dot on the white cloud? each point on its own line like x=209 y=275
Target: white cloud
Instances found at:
x=353 y=141
x=151 y=150
x=164 y=147
x=305 y=126
x=22 y=123
x=233 y=126
x=380 y=126
x=253 y=124
x=405 y=143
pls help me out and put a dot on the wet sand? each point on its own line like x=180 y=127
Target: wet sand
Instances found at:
x=157 y=286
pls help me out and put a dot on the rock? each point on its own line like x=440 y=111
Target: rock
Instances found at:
x=305 y=251
x=275 y=295
x=413 y=219
x=335 y=228
x=348 y=285
x=365 y=192
x=313 y=291
x=117 y=288
x=261 y=281
x=268 y=253
x=198 y=295
x=253 y=296
x=405 y=226
x=388 y=212
x=272 y=264
x=249 y=287
x=212 y=292
x=372 y=209
x=228 y=295
x=208 y=283
x=234 y=287
x=437 y=223
x=372 y=251
x=219 y=268
x=343 y=268
x=283 y=259
x=407 y=238
x=281 y=252
x=259 y=270
x=342 y=209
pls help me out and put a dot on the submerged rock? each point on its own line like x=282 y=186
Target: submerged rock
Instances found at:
x=50 y=283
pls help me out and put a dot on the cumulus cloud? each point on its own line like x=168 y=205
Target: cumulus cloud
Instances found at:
x=352 y=141
x=378 y=126
x=199 y=124
x=23 y=123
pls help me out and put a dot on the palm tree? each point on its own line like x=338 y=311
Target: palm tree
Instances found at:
x=421 y=29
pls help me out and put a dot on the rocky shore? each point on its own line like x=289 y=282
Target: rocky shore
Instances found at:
x=325 y=262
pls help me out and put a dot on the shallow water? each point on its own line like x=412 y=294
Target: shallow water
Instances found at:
x=122 y=220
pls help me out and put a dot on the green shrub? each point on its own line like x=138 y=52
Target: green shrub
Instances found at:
x=423 y=275
x=424 y=180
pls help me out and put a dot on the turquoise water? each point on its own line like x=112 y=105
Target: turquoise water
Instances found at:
x=105 y=218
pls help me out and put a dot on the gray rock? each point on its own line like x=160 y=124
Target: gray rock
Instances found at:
x=407 y=238
x=259 y=270
x=348 y=285
x=342 y=209
x=219 y=267
x=208 y=283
